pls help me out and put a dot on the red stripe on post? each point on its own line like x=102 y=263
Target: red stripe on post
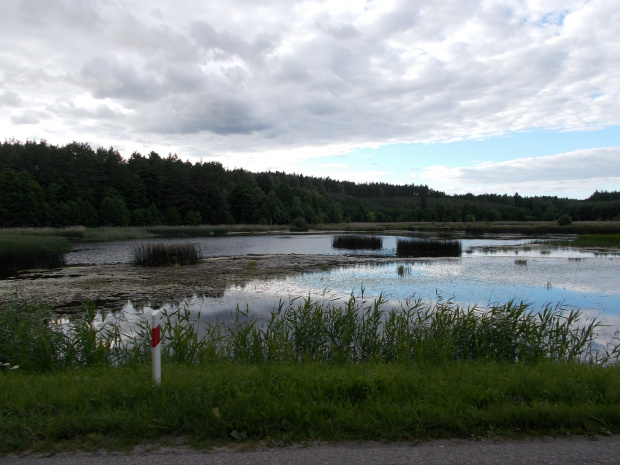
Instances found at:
x=156 y=336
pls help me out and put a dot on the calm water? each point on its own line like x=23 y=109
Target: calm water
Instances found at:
x=490 y=271
x=100 y=253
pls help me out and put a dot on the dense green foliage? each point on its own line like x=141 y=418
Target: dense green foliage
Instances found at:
x=22 y=251
x=565 y=220
x=47 y=185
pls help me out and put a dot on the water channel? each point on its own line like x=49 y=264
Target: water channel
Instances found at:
x=489 y=271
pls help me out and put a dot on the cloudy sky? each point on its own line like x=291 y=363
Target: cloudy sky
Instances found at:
x=462 y=95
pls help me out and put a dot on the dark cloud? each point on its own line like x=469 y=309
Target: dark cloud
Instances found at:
x=213 y=115
x=108 y=77
x=25 y=118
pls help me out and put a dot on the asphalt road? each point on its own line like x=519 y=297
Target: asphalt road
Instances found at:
x=574 y=450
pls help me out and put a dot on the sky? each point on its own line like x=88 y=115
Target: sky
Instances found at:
x=480 y=96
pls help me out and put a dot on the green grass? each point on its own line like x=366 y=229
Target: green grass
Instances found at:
x=597 y=240
x=24 y=251
x=356 y=241
x=110 y=234
x=165 y=254
x=180 y=231
x=282 y=403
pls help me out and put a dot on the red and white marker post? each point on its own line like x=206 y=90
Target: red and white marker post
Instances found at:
x=156 y=346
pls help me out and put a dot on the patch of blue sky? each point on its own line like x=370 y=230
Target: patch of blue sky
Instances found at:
x=398 y=161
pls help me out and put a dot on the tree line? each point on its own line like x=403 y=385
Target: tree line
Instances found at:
x=48 y=185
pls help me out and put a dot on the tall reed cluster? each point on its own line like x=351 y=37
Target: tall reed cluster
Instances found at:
x=356 y=331
x=35 y=339
x=23 y=251
x=166 y=254
x=428 y=248
x=355 y=241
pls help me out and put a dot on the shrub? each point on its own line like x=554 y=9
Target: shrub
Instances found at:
x=565 y=220
x=299 y=224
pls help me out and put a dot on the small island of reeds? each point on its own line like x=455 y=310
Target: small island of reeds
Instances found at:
x=415 y=247
x=161 y=254
x=357 y=242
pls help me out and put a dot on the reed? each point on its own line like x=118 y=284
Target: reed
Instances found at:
x=179 y=231
x=355 y=242
x=166 y=254
x=110 y=234
x=417 y=247
x=597 y=240
x=356 y=331
x=19 y=251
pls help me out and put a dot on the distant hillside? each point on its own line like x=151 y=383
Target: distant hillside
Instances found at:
x=47 y=185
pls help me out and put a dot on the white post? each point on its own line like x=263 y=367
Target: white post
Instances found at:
x=156 y=346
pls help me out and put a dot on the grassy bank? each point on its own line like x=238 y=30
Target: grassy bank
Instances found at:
x=280 y=403
x=445 y=230
x=309 y=372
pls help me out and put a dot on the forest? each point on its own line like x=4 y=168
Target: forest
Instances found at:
x=44 y=185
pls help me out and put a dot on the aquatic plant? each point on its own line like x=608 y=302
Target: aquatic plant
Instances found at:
x=597 y=240
x=402 y=270
x=19 y=251
x=303 y=330
x=355 y=241
x=33 y=337
x=420 y=247
x=166 y=254
x=251 y=265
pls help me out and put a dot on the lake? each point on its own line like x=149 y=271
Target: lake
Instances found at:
x=489 y=271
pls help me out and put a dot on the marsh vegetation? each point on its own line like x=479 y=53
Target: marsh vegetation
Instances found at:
x=304 y=330
x=428 y=248
x=357 y=242
x=166 y=254
x=24 y=251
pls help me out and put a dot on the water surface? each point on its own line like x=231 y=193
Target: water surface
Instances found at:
x=491 y=271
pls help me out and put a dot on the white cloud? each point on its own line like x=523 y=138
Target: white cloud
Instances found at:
x=201 y=79
x=548 y=175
